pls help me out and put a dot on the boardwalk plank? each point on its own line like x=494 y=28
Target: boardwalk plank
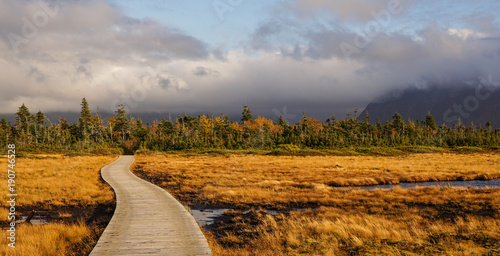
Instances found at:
x=147 y=219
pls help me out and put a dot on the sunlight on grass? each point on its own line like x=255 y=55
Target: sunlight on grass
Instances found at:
x=282 y=179
x=327 y=231
x=60 y=181
x=45 y=182
x=45 y=240
x=344 y=221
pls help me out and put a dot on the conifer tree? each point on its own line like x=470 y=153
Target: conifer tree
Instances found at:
x=98 y=131
x=123 y=125
x=378 y=125
x=430 y=122
x=40 y=118
x=84 y=121
x=367 y=117
x=398 y=123
x=4 y=124
x=5 y=129
x=282 y=122
x=23 y=118
x=246 y=114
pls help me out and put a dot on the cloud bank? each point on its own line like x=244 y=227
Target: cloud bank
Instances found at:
x=56 y=52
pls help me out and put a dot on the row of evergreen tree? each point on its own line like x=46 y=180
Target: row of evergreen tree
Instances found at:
x=31 y=132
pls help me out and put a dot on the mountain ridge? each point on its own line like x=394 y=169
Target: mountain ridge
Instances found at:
x=477 y=104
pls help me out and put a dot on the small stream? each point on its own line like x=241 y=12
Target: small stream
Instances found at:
x=208 y=217
x=470 y=183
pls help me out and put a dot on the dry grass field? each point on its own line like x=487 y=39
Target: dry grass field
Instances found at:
x=274 y=181
x=341 y=221
x=63 y=186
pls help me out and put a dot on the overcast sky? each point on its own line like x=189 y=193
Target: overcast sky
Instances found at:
x=279 y=57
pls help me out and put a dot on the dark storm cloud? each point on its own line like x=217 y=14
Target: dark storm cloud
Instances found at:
x=431 y=52
x=359 y=67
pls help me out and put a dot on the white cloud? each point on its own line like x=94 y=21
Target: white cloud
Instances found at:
x=466 y=33
x=108 y=57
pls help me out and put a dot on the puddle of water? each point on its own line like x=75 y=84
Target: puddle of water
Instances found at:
x=472 y=183
x=37 y=220
x=207 y=217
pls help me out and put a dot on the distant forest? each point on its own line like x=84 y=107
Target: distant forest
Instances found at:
x=91 y=133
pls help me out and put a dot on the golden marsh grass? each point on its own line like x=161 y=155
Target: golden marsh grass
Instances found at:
x=46 y=240
x=56 y=180
x=56 y=183
x=342 y=221
x=275 y=180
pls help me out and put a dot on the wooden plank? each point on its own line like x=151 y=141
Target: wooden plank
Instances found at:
x=147 y=219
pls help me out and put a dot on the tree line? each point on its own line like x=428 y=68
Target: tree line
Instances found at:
x=31 y=132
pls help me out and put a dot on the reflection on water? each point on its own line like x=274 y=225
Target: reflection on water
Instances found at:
x=36 y=220
x=207 y=217
x=472 y=183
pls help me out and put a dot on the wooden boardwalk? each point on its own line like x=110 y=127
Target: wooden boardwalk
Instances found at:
x=147 y=219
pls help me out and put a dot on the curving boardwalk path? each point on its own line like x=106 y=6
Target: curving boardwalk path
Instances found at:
x=147 y=219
